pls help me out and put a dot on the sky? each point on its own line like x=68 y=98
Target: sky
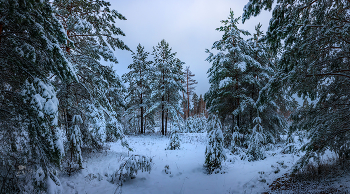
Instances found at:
x=187 y=25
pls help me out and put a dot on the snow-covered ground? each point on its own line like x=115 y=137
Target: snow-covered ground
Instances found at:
x=186 y=175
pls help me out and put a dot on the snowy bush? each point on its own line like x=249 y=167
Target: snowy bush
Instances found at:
x=196 y=124
x=130 y=167
x=97 y=122
x=255 y=152
x=256 y=142
x=252 y=145
x=174 y=143
x=115 y=132
x=290 y=146
x=214 y=152
x=73 y=160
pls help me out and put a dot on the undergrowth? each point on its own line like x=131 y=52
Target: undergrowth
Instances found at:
x=314 y=178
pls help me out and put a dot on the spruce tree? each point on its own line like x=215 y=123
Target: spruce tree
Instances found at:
x=214 y=152
x=75 y=147
x=174 y=143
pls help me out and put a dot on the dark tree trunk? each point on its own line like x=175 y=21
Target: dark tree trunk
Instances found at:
x=144 y=127
x=163 y=132
x=188 y=98
x=184 y=108
x=141 y=101
x=237 y=100
x=233 y=123
x=163 y=100
x=166 y=122
x=141 y=128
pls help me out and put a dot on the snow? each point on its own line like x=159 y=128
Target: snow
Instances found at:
x=224 y=82
x=177 y=171
x=242 y=65
x=327 y=81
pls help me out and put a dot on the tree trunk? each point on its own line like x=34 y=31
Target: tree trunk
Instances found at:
x=166 y=122
x=67 y=47
x=233 y=124
x=163 y=133
x=188 y=96
x=163 y=99
x=237 y=99
x=238 y=114
x=184 y=108
x=144 y=127
x=141 y=101
x=141 y=128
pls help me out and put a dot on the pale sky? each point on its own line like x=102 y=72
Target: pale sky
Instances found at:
x=187 y=25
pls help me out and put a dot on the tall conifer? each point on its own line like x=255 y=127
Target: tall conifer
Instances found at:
x=167 y=78
x=30 y=54
x=313 y=37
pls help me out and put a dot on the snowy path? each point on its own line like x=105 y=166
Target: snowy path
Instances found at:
x=186 y=166
x=187 y=173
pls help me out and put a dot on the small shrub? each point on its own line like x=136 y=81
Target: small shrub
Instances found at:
x=214 y=152
x=129 y=169
x=312 y=176
x=174 y=143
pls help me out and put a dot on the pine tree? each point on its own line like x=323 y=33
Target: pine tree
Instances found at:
x=257 y=140
x=214 y=152
x=138 y=78
x=30 y=54
x=97 y=93
x=189 y=87
x=227 y=69
x=167 y=78
x=314 y=64
x=195 y=102
x=75 y=141
x=201 y=106
x=174 y=143
x=240 y=72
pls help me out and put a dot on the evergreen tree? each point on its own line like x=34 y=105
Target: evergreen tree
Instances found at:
x=30 y=54
x=189 y=88
x=314 y=64
x=228 y=65
x=201 y=106
x=196 y=124
x=97 y=94
x=195 y=102
x=174 y=143
x=214 y=152
x=138 y=78
x=240 y=71
x=166 y=86
x=74 y=149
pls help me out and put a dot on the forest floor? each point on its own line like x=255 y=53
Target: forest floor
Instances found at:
x=186 y=172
